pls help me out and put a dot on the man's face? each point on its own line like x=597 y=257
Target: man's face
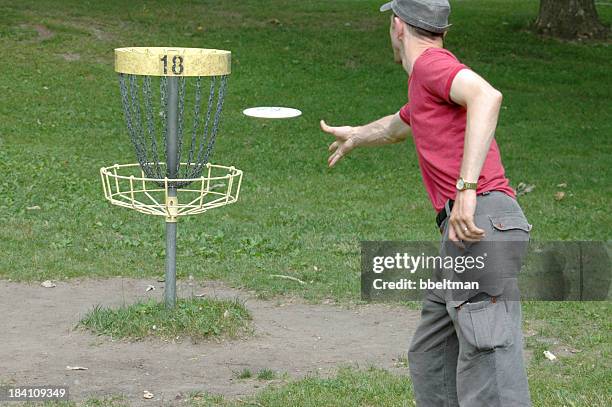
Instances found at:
x=396 y=44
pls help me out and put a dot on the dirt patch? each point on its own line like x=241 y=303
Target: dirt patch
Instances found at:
x=70 y=57
x=290 y=336
x=43 y=32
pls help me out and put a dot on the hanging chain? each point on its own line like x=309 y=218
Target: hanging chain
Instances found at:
x=211 y=97
x=148 y=101
x=163 y=90
x=192 y=169
x=220 y=99
x=128 y=87
x=181 y=108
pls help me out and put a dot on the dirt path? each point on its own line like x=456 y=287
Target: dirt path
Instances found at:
x=37 y=342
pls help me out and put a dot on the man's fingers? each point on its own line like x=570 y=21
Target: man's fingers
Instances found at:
x=467 y=230
x=459 y=229
x=452 y=236
x=334 y=158
x=473 y=231
x=326 y=128
x=333 y=146
x=341 y=133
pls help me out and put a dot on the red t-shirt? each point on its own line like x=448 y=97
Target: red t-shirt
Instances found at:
x=438 y=129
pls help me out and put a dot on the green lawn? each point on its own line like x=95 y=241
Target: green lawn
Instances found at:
x=196 y=318
x=62 y=120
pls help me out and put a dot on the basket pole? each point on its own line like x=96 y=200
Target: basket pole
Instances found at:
x=171 y=162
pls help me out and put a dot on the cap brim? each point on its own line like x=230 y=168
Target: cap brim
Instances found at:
x=386 y=6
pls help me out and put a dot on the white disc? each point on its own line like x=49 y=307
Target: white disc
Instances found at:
x=267 y=112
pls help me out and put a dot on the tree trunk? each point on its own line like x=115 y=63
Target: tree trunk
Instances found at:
x=570 y=19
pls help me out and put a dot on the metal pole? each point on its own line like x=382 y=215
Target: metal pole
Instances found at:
x=172 y=166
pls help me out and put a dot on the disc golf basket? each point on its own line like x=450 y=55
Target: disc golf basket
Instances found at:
x=173 y=133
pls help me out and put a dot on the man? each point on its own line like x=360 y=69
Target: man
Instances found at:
x=467 y=350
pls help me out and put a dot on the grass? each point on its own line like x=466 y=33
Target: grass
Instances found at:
x=579 y=334
x=193 y=318
x=62 y=120
x=350 y=387
x=266 y=374
x=112 y=401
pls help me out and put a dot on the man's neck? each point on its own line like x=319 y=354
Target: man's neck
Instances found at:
x=414 y=50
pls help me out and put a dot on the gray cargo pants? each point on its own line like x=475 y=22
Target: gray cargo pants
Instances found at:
x=469 y=353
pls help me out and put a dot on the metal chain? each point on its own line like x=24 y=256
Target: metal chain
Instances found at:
x=192 y=170
x=211 y=96
x=220 y=99
x=128 y=109
x=181 y=108
x=137 y=134
x=163 y=90
x=148 y=100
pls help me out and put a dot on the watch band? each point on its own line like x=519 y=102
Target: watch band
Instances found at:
x=470 y=185
x=462 y=185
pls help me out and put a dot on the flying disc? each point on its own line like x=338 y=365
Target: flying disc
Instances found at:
x=268 y=112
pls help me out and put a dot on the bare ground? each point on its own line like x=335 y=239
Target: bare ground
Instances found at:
x=38 y=341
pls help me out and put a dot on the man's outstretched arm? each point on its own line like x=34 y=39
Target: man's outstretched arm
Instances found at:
x=388 y=130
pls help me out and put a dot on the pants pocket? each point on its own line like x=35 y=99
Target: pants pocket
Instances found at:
x=484 y=326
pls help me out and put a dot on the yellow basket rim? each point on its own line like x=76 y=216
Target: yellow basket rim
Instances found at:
x=192 y=61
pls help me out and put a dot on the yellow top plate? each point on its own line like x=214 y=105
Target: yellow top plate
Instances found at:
x=166 y=61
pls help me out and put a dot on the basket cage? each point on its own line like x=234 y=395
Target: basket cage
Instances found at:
x=127 y=185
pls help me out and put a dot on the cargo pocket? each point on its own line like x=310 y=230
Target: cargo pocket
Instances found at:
x=484 y=326
x=507 y=222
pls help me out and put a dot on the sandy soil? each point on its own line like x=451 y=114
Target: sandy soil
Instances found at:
x=38 y=341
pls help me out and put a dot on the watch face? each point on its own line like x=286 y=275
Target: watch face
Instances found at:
x=460 y=184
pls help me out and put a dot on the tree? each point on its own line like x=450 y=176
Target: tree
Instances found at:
x=570 y=19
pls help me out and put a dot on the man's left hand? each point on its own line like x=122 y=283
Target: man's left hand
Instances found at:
x=461 y=221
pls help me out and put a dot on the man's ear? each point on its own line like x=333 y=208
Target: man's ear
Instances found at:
x=398 y=27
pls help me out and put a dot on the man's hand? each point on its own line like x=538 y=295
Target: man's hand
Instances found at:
x=387 y=130
x=344 y=143
x=461 y=221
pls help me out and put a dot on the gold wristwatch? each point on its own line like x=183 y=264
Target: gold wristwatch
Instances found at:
x=462 y=185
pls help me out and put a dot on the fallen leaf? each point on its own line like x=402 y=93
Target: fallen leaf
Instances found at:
x=562 y=185
x=48 y=284
x=76 y=368
x=150 y=288
x=287 y=278
x=523 y=188
x=548 y=355
x=559 y=195
x=200 y=295
x=147 y=395
x=226 y=313
x=33 y=208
